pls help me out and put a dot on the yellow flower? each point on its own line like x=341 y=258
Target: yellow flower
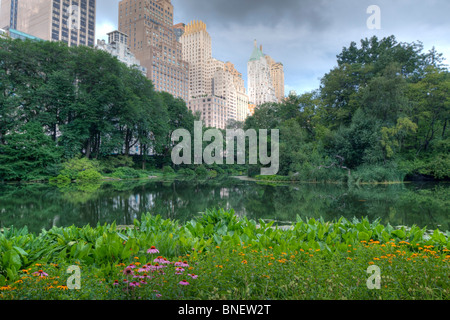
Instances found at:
x=62 y=287
x=244 y=261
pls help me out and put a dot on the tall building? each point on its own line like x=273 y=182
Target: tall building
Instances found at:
x=241 y=94
x=216 y=89
x=277 y=76
x=8 y=14
x=196 y=43
x=117 y=46
x=260 y=85
x=152 y=39
x=70 y=21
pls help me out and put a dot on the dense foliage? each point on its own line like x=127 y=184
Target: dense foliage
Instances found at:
x=381 y=114
x=58 y=103
x=219 y=256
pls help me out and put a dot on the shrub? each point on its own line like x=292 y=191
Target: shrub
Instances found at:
x=438 y=167
x=60 y=179
x=390 y=172
x=111 y=163
x=167 y=170
x=89 y=175
x=201 y=171
x=73 y=167
x=212 y=173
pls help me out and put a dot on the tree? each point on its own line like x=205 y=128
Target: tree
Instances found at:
x=27 y=152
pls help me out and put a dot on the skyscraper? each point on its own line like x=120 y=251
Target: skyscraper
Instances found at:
x=70 y=21
x=277 y=76
x=149 y=27
x=197 y=51
x=216 y=89
x=260 y=85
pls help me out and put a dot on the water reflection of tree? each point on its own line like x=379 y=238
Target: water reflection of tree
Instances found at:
x=42 y=206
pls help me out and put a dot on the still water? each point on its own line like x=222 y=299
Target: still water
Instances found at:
x=42 y=206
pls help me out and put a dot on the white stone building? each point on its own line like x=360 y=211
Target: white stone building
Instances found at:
x=117 y=46
x=260 y=86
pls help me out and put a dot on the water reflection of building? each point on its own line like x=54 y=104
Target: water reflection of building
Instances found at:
x=224 y=193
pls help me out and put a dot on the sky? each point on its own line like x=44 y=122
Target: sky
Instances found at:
x=305 y=35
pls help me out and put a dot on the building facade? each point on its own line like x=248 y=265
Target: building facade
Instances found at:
x=277 y=76
x=260 y=85
x=216 y=88
x=152 y=39
x=69 y=21
x=117 y=46
x=242 y=99
x=179 y=30
x=196 y=44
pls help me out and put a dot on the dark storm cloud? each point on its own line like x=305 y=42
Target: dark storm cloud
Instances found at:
x=305 y=35
x=251 y=12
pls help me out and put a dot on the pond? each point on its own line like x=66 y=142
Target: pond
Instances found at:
x=42 y=206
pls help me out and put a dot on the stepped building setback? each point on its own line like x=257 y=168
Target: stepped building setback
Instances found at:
x=153 y=40
x=216 y=88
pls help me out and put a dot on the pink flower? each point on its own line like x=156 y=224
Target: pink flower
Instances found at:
x=134 y=284
x=128 y=271
x=143 y=282
x=193 y=276
x=183 y=283
x=40 y=273
x=158 y=295
x=180 y=269
x=153 y=250
x=144 y=269
x=181 y=264
x=157 y=266
x=116 y=283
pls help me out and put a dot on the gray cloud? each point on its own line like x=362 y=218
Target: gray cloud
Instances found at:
x=251 y=12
